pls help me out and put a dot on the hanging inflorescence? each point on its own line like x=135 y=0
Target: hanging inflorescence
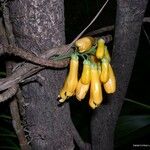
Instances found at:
x=97 y=72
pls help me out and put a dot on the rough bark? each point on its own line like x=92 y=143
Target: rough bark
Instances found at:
x=129 y=18
x=38 y=25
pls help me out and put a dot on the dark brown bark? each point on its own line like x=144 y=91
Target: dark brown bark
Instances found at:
x=129 y=18
x=38 y=25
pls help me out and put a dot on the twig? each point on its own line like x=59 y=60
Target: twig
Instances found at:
x=107 y=38
x=25 y=55
x=8 y=93
x=111 y=27
x=17 y=125
x=101 y=30
x=21 y=103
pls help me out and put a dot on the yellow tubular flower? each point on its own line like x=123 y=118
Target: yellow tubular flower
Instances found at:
x=99 y=68
x=105 y=70
x=100 y=49
x=62 y=94
x=81 y=90
x=84 y=44
x=71 y=80
x=86 y=75
x=95 y=88
x=91 y=104
x=106 y=55
x=110 y=85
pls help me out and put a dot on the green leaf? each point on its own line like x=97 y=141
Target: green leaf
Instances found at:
x=9 y=148
x=140 y=136
x=5 y=117
x=130 y=124
x=137 y=103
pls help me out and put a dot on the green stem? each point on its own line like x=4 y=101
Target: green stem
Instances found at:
x=82 y=55
x=91 y=51
x=63 y=56
x=87 y=56
x=137 y=103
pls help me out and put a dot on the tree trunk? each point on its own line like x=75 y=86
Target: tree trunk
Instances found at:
x=38 y=25
x=129 y=19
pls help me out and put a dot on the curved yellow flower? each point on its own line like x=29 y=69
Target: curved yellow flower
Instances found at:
x=106 y=54
x=95 y=88
x=92 y=104
x=62 y=93
x=81 y=90
x=86 y=73
x=110 y=85
x=105 y=70
x=99 y=68
x=71 y=80
x=100 y=49
x=84 y=44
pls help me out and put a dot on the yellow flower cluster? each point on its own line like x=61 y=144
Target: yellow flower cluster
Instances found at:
x=96 y=72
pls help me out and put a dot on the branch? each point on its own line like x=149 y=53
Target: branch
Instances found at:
x=25 y=55
x=101 y=30
x=110 y=28
x=107 y=38
x=17 y=125
x=8 y=93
